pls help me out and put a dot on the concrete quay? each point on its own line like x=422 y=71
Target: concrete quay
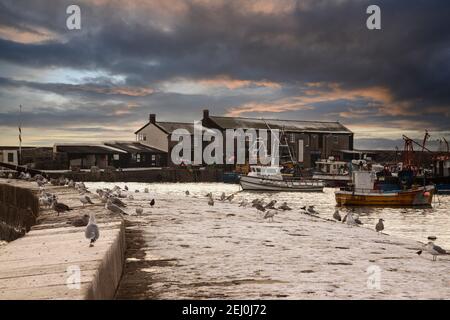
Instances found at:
x=53 y=260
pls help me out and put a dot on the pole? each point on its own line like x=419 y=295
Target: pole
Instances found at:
x=20 y=135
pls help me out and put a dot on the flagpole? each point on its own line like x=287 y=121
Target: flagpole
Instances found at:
x=20 y=134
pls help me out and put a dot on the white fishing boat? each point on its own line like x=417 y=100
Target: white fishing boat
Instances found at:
x=269 y=178
x=333 y=173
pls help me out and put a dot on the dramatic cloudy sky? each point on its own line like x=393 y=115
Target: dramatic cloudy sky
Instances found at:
x=306 y=59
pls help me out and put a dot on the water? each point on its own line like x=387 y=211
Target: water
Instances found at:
x=184 y=248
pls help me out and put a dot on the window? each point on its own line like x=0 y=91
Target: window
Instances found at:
x=144 y=137
x=153 y=157
x=10 y=157
x=116 y=156
x=292 y=137
x=138 y=157
x=335 y=139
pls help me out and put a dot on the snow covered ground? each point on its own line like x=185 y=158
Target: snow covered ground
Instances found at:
x=184 y=248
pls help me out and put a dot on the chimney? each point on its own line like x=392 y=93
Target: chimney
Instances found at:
x=152 y=118
x=205 y=114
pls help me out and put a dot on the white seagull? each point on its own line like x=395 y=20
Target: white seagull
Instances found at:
x=92 y=233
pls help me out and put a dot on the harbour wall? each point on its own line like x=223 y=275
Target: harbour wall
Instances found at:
x=19 y=209
x=38 y=263
x=151 y=175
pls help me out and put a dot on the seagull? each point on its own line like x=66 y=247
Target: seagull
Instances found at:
x=230 y=197
x=260 y=208
x=209 y=195
x=60 y=207
x=80 y=222
x=243 y=203
x=357 y=221
x=117 y=202
x=350 y=220
x=284 y=206
x=270 y=214
x=130 y=197
x=114 y=208
x=146 y=190
x=271 y=204
x=92 y=233
x=255 y=201
x=139 y=210
x=434 y=250
x=126 y=188
x=311 y=210
x=336 y=215
x=379 y=226
x=85 y=200
x=186 y=192
x=152 y=203
x=222 y=196
x=211 y=201
x=136 y=191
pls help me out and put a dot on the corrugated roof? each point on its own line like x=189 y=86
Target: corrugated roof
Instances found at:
x=287 y=125
x=87 y=149
x=133 y=147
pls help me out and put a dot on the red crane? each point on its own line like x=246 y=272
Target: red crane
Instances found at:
x=409 y=160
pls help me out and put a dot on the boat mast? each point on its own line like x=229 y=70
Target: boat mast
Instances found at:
x=283 y=135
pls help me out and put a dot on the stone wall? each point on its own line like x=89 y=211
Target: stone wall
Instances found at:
x=19 y=208
x=156 y=175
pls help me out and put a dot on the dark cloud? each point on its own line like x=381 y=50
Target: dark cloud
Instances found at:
x=312 y=42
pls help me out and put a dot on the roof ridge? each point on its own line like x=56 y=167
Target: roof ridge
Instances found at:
x=252 y=118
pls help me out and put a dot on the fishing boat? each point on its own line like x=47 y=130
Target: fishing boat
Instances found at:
x=270 y=178
x=362 y=193
x=333 y=173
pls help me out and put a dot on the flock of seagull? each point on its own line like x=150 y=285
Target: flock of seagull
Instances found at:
x=112 y=200
x=269 y=210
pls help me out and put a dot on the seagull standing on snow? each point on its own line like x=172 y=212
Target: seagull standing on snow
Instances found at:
x=243 y=203
x=230 y=197
x=350 y=220
x=379 y=226
x=434 y=250
x=92 y=233
x=270 y=214
x=271 y=204
x=260 y=208
x=113 y=208
x=311 y=210
x=85 y=200
x=152 y=203
x=284 y=207
x=336 y=215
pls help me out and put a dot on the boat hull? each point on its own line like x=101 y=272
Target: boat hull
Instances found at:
x=263 y=184
x=422 y=196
